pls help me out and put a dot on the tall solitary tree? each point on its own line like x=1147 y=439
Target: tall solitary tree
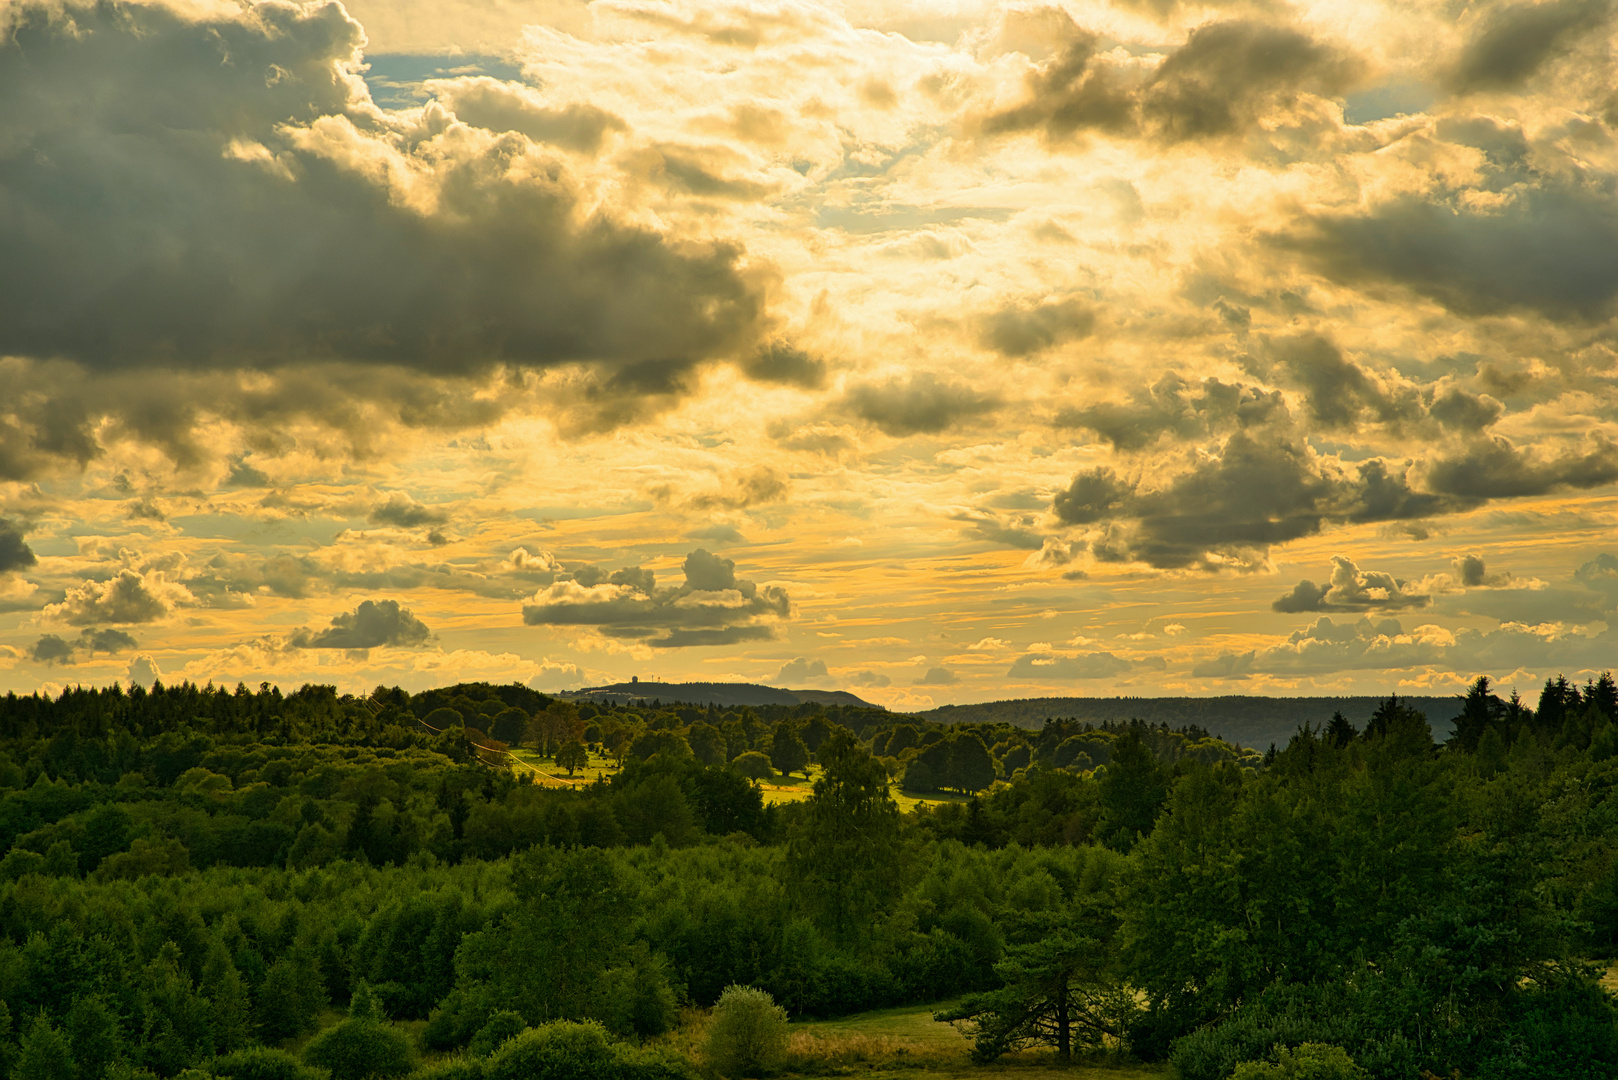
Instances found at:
x=844 y=854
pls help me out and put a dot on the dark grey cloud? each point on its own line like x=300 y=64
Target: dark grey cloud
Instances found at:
x=1228 y=73
x=51 y=649
x=1225 y=77
x=1175 y=407
x=15 y=554
x=713 y=607
x=778 y=362
x=1075 y=91
x=402 y=510
x=54 y=649
x=1464 y=411
x=374 y=623
x=1513 y=41
x=1340 y=394
x=1470 y=570
x=170 y=205
x=1351 y=589
x=1026 y=329
x=1262 y=488
x=1043 y=665
x=937 y=676
x=1551 y=248
x=1495 y=468
x=918 y=404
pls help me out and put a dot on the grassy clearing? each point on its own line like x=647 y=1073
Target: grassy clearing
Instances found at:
x=905 y=1043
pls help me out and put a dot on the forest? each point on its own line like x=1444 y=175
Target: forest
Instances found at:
x=200 y=881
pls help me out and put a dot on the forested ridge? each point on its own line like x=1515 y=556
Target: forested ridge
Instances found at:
x=239 y=883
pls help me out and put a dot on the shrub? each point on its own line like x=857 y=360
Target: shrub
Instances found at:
x=356 y=1049
x=1311 y=1061
x=260 y=1063
x=748 y=1032
x=499 y=1027
x=565 y=1050
x=451 y=1069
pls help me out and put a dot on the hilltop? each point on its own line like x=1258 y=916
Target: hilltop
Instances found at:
x=707 y=693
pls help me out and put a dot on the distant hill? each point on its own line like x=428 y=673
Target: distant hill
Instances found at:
x=705 y=693
x=1248 y=720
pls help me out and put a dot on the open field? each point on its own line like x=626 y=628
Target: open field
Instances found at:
x=906 y=1043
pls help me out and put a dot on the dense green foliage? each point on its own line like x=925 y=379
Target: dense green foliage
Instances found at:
x=201 y=879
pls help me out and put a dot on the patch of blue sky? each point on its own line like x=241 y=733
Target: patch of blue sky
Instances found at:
x=396 y=79
x=1388 y=100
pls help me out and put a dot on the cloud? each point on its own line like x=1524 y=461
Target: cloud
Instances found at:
x=52 y=649
x=555 y=675
x=501 y=106
x=1549 y=247
x=1493 y=467
x=403 y=511
x=1048 y=665
x=801 y=669
x=918 y=404
x=937 y=676
x=713 y=607
x=869 y=678
x=1230 y=74
x=15 y=554
x=1511 y=42
x=1025 y=329
x=1263 y=488
x=374 y=623
x=780 y=363
x=172 y=205
x=1174 y=406
x=130 y=596
x=1351 y=589
x=143 y=671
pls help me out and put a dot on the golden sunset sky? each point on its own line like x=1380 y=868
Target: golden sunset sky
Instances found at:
x=941 y=352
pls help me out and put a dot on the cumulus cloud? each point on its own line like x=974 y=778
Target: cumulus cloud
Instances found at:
x=1050 y=665
x=801 y=669
x=1352 y=589
x=53 y=649
x=403 y=511
x=129 y=596
x=15 y=554
x=937 y=676
x=920 y=403
x=1263 y=488
x=143 y=671
x=713 y=607
x=1551 y=247
x=1509 y=43
x=373 y=624
x=1230 y=74
x=260 y=218
x=867 y=678
x=1026 y=329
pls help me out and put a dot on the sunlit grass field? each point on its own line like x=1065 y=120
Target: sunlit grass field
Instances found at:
x=906 y=1043
x=777 y=789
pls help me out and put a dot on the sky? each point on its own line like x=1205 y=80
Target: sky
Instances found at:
x=939 y=352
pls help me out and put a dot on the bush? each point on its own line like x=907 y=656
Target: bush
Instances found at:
x=565 y=1050
x=260 y=1063
x=499 y=1027
x=1311 y=1061
x=748 y=1032
x=356 y=1049
x=451 y=1069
